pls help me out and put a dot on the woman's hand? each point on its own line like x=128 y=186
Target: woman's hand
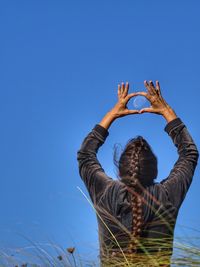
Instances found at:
x=120 y=109
x=158 y=104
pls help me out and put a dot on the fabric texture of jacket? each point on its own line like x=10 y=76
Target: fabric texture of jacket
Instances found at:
x=162 y=200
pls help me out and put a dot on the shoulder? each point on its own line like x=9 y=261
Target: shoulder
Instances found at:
x=114 y=186
x=161 y=193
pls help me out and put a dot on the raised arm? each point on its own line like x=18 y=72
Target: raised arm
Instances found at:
x=180 y=177
x=90 y=168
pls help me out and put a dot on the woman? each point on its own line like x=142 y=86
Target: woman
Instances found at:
x=136 y=215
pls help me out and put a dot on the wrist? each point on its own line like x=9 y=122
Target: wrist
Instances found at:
x=169 y=114
x=108 y=119
x=112 y=114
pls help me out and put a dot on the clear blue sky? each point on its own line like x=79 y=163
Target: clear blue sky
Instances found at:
x=60 y=65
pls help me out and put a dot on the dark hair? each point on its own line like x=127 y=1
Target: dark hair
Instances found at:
x=137 y=169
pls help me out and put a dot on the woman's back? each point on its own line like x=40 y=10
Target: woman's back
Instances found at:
x=158 y=203
x=159 y=216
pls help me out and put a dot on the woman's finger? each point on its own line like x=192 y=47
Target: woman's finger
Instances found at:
x=119 y=91
x=149 y=89
x=122 y=88
x=138 y=93
x=132 y=111
x=152 y=87
x=126 y=89
x=158 y=88
x=146 y=110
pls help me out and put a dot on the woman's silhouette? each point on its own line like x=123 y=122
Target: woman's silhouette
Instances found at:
x=136 y=215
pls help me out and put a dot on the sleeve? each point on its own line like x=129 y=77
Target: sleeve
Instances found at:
x=90 y=169
x=180 y=177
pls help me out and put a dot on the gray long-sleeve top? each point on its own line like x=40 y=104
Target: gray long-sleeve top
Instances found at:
x=161 y=200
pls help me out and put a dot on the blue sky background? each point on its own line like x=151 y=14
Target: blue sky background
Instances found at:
x=60 y=64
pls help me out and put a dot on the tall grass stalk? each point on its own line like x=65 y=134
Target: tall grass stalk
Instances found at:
x=186 y=252
x=105 y=225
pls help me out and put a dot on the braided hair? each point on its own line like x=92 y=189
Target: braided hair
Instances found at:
x=137 y=168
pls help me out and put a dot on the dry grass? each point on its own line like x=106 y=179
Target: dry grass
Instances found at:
x=186 y=252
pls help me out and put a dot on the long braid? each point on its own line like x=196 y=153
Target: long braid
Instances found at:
x=136 y=201
x=137 y=169
x=130 y=160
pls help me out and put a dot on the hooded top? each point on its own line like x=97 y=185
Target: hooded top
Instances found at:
x=161 y=201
